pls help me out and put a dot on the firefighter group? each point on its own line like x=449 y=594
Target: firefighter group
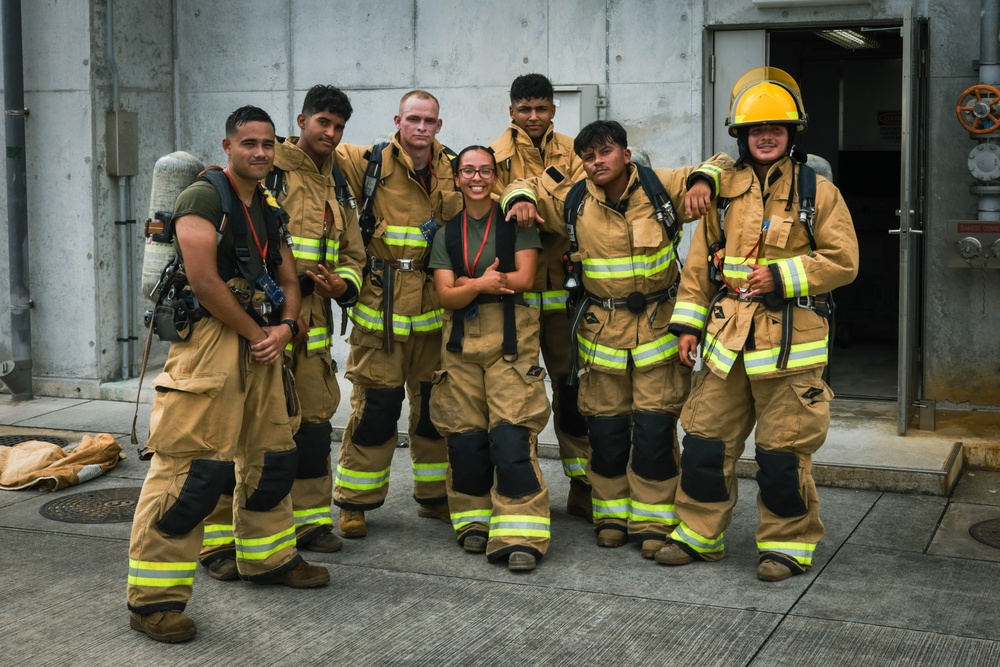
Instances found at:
x=469 y=278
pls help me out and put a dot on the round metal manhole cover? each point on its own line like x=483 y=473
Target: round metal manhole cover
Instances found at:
x=987 y=532
x=11 y=440
x=103 y=506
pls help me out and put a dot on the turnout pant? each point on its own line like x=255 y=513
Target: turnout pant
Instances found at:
x=381 y=381
x=570 y=426
x=209 y=435
x=792 y=415
x=632 y=419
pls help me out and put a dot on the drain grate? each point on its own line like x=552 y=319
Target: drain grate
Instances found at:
x=987 y=532
x=103 y=506
x=11 y=440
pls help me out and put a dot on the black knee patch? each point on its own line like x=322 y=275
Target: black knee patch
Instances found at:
x=571 y=420
x=425 y=427
x=610 y=441
x=471 y=465
x=778 y=480
x=379 y=418
x=703 y=463
x=276 y=480
x=510 y=451
x=653 y=436
x=313 y=444
x=206 y=480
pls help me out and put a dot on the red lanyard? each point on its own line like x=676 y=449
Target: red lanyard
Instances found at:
x=426 y=186
x=256 y=241
x=465 y=241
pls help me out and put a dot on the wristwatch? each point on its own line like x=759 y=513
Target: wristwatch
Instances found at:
x=293 y=325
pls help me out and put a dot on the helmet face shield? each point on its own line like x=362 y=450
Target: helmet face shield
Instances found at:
x=766 y=96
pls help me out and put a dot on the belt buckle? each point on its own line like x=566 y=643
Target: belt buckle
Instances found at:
x=608 y=304
x=807 y=302
x=741 y=295
x=263 y=308
x=404 y=264
x=373 y=264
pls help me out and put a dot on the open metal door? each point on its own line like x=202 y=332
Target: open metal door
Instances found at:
x=733 y=53
x=911 y=216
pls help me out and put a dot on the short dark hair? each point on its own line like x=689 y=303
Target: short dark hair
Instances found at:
x=599 y=133
x=327 y=98
x=475 y=147
x=244 y=115
x=531 y=87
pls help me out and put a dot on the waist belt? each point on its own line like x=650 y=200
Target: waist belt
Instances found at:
x=518 y=299
x=379 y=264
x=636 y=301
x=821 y=303
x=740 y=296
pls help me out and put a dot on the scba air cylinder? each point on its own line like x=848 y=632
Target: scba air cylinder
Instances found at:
x=171 y=174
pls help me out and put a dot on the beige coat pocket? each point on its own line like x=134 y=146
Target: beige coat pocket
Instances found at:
x=186 y=417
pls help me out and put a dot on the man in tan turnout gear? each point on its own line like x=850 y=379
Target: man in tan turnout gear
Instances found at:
x=529 y=147
x=221 y=414
x=396 y=338
x=759 y=307
x=326 y=243
x=632 y=385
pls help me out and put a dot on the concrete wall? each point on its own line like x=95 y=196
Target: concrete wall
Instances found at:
x=647 y=56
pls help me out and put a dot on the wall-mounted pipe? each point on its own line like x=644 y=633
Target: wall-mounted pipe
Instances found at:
x=16 y=372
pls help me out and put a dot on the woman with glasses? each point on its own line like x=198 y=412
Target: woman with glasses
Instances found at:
x=489 y=397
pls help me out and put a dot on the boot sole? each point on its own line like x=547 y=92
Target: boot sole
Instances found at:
x=353 y=534
x=307 y=583
x=175 y=638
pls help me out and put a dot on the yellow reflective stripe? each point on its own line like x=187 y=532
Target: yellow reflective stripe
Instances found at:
x=690 y=314
x=601 y=355
x=712 y=172
x=319 y=337
x=262 y=548
x=514 y=194
x=574 y=467
x=401 y=235
x=662 y=348
x=519 y=525
x=702 y=545
x=305 y=248
x=551 y=300
x=462 y=519
x=629 y=267
x=217 y=534
x=428 y=321
x=801 y=552
x=656 y=513
x=159 y=574
x=802 y=354
x=738 y=268
x=316 y=516
x=372 y=319
x=793 y=277
x=716 y=353
x=349 y=275
x=430 y=472
x=612 y=509
x=361 y=480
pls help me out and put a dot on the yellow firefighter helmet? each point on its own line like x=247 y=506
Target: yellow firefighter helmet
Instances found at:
x=766 y=96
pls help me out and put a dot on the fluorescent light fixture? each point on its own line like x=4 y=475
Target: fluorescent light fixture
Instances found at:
x=849 y=39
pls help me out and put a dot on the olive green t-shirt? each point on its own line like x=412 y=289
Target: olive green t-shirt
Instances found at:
x=525 y=238
x=201 y=199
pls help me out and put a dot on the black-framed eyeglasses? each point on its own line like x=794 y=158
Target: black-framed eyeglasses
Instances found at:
x=485 y=172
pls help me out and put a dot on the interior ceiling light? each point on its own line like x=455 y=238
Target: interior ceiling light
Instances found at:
x=849 y=39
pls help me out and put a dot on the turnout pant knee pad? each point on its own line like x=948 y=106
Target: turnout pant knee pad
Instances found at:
x=379 y=417
x=571 y=420
x=703 y=469
x=205 y=483
x=778 y=481
x=510 y=451
x=276 y=479
x=313 y=444
x=610 y=441
x=425 y=427
x=471 y=465
x=653 y=436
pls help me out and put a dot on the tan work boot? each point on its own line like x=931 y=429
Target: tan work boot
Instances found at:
x=437 y=511
x=650 y=547
x=352 y=524
x=672 y=554
x=771 y=569
x=611 y=538
x=521 y=561
x=302 y=575
x=170 y=627
x=474 y=544
x=325 y=542
x=223 y=569
x=578 y=502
